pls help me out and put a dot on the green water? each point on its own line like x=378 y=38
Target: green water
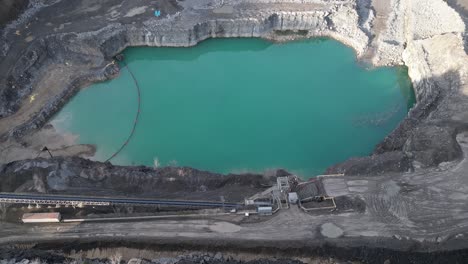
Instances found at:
x=236 y=105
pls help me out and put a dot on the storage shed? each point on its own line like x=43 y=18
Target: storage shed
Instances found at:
x=41 y=218
x=292 y=197
x=265 y=210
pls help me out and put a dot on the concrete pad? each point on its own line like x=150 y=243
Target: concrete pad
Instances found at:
x=357 y=182
x=335 y=187
x=331 y=230
x=359 y=189
x=224 y=227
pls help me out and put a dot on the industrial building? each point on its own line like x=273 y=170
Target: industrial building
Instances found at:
x=41 y=218
x=293 y=198
x=265 y=210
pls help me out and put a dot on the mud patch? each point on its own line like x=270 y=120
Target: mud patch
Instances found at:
x=331 y=230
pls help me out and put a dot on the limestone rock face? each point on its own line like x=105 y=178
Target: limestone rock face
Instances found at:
x=430 y=18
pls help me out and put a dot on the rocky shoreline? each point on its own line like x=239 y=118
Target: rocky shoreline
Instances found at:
x=51 y=58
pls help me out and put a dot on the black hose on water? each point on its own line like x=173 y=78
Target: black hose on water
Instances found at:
x=137 y=116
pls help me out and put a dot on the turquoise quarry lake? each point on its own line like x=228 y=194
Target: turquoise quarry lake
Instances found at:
x=238 y=105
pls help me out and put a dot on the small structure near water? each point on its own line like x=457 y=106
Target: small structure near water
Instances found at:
x=283 y=183
x=293 y=198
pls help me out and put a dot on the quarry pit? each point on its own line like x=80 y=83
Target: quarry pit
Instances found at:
x=406 y=202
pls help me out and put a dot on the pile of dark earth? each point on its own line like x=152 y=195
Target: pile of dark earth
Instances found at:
x=10 y=9
x=77 y=176
x=39 y=257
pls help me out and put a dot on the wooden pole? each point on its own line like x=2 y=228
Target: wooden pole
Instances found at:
x=46 y=149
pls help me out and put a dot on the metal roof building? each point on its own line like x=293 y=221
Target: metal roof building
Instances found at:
x=41 y=217
x=265 y=210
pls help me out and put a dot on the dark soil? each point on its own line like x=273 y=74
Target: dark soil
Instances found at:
x=267 y=252
x=10 y=9
x=79 y=176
